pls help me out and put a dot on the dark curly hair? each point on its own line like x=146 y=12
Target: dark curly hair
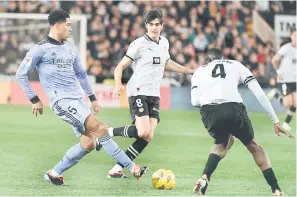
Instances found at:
x=57 y=16
x=153 y=14
x=213 y=54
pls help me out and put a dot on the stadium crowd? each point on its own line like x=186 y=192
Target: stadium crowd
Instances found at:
x=191 y=28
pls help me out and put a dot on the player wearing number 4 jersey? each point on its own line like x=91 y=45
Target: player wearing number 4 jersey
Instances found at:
x=149 y=56
x=215 y=89
x=57 y=62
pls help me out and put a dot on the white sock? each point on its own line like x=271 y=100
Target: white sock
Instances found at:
x=53 y=172
x=110 y=131
x=116 y=168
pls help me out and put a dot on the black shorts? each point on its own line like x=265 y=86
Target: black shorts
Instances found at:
x=144 y=106
x=224 y=119
x=287 y=88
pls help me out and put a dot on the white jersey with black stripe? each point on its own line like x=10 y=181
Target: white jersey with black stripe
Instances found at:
x=149 y=58
x=287 y=69
x=217 y=82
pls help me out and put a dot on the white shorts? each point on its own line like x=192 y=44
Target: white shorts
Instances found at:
x=73 y=111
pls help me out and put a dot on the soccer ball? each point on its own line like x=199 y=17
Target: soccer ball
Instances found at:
x=163 y=179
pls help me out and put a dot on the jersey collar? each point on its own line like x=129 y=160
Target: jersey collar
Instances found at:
x=150 y=39
x=53 y=41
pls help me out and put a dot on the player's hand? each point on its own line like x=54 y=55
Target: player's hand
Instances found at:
x=117 y=91
x=37 y=107
x=279 y=129
x=96 y=107
x=193 y=70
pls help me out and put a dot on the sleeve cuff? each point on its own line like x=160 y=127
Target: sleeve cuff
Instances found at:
x=129 y=57
x=35 y=99
x=92 y=98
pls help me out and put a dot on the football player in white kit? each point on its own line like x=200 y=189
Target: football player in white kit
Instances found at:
x=149 y=56
x=285 y=64
x=215 y=89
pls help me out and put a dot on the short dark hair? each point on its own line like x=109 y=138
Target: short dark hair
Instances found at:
x=213 y=54
x=153 y=14
x=57 y=16
x=292 y=30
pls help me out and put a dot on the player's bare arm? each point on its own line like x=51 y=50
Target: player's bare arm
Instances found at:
x=276 y=61
x=124 y=63
x=173 y=66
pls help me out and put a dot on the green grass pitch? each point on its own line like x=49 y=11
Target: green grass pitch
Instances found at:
x=30 y=146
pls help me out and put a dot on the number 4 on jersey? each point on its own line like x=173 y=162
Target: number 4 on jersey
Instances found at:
x=221 y=71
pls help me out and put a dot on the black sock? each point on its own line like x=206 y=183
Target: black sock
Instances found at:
x=290 y=114
x=211 y=165
x=271 y=179
x=277 y=95
x=288 y=118
x=126 y=131
x=135 y=149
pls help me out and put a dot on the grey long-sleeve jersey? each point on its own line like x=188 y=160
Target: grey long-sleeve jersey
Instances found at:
x=59 y=70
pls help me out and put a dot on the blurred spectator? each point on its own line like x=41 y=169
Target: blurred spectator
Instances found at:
x=190 y=26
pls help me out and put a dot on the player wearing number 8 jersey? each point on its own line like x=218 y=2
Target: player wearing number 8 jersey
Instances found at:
x=149 y=56
x=215 y=89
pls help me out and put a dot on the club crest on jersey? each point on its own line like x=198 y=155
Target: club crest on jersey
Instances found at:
x=28 y=60
x=141 y=110
x=156 y=60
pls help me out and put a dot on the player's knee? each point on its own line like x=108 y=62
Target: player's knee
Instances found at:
x=220 y=150
x=253 y=147
x=231 y=142
x=286 y=102
x=89 y=144
x=149 y=137
x=99 y=128
x=102 y=130
x=143 y=133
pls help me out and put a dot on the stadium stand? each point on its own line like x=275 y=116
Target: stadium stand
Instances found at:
x=191 y=28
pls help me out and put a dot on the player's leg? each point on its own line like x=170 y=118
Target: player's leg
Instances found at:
x=291 y=112
x=262 y=160
x=146 y=125
x=129 y=131
x=153 y=123
x=154 y=113
x=213 y=120
x=288 y=100
x=140 y=116
x=77 y=113
x=75 y=117
x=71 y=158
x=142 y=125
x=95 y=127
x=245 y=133
x=217 y=153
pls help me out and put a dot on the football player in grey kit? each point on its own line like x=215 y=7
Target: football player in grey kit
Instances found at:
x=149 y=56
x=59 y=67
